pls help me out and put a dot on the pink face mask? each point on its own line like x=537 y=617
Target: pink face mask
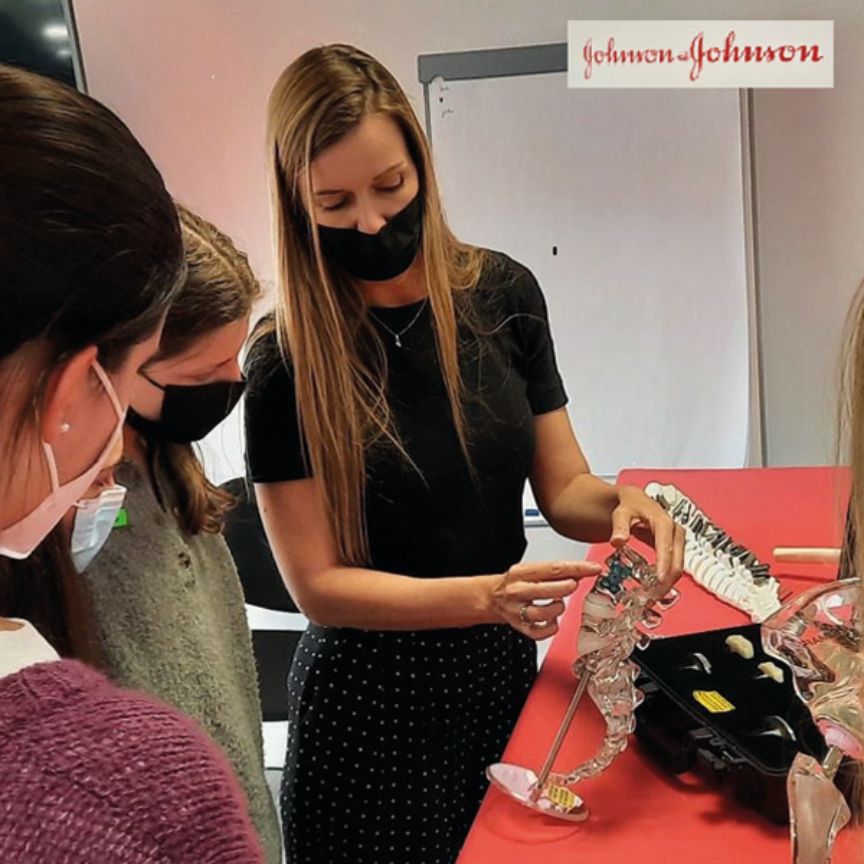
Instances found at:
x=19 y=540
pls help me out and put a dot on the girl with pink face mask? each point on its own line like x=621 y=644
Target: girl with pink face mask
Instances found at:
x=90 y=255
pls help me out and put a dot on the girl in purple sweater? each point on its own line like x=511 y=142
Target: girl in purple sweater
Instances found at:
x=90 y=254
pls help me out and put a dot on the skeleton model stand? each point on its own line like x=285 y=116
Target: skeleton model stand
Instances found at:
x=619 y=603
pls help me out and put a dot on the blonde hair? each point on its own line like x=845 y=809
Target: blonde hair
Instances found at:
x=321 y=318
x=220 y=288
x=851 y=421
x=851 y=440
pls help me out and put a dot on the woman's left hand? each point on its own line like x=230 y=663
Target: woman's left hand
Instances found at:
x=642 y=517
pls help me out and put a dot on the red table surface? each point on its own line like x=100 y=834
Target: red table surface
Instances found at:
x=639 y=813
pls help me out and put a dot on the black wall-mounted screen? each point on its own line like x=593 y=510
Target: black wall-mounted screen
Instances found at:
x=39 y=35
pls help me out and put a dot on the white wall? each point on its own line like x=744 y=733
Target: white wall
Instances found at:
x=192 y=80
x=810 y=199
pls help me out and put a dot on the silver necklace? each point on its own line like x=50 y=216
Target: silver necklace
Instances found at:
x=397 y=335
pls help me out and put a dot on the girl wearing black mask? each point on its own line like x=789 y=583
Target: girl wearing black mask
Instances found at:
x=405 y=390
x=163 y=606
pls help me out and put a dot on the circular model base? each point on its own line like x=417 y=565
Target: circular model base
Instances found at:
x=519 y=784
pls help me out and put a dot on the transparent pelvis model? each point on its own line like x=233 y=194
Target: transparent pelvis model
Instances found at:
x=618 y=610
x=818 y=635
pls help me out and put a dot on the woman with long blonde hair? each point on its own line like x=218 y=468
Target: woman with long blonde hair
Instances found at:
x=397 y=402
x=851 y=428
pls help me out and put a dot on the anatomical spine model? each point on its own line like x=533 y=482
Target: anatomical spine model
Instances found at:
x=621 y=601
x=727 y=569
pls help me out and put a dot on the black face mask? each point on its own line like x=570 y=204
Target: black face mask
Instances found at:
x=376 y=257
x=190 y=412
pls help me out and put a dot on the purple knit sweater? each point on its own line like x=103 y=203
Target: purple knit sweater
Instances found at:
x=90 y=773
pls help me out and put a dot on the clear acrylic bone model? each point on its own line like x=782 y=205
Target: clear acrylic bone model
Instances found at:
x=727 y=569
x=621 y=601
x=818 y=634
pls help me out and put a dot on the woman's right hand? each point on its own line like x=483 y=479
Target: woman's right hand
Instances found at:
x=530 y=597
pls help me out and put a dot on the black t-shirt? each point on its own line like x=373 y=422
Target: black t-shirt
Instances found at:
x=443 y=523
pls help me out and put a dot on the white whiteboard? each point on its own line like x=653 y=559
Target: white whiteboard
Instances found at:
x=641 y=192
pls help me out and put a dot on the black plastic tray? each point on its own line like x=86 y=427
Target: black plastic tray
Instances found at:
x=735 y=680
x=682 y=734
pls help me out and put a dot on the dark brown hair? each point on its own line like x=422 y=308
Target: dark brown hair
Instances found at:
x=90 y=250
x=90 y=247
x=46 y=590
x=90 y=254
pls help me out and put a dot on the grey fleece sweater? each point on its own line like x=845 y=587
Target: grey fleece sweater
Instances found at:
x=167 y=617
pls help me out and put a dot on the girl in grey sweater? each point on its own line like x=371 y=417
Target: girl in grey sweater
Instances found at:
x=162 y=607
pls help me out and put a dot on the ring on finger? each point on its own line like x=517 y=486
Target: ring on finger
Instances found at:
x=526 y=621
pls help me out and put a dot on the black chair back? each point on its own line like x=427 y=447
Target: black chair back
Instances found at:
x=262 y=586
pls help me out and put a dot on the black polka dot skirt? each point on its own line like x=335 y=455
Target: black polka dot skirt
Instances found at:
x=389 y=738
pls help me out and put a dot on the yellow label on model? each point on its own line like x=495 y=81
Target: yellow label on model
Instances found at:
x=562 y=797
x=713 y=701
